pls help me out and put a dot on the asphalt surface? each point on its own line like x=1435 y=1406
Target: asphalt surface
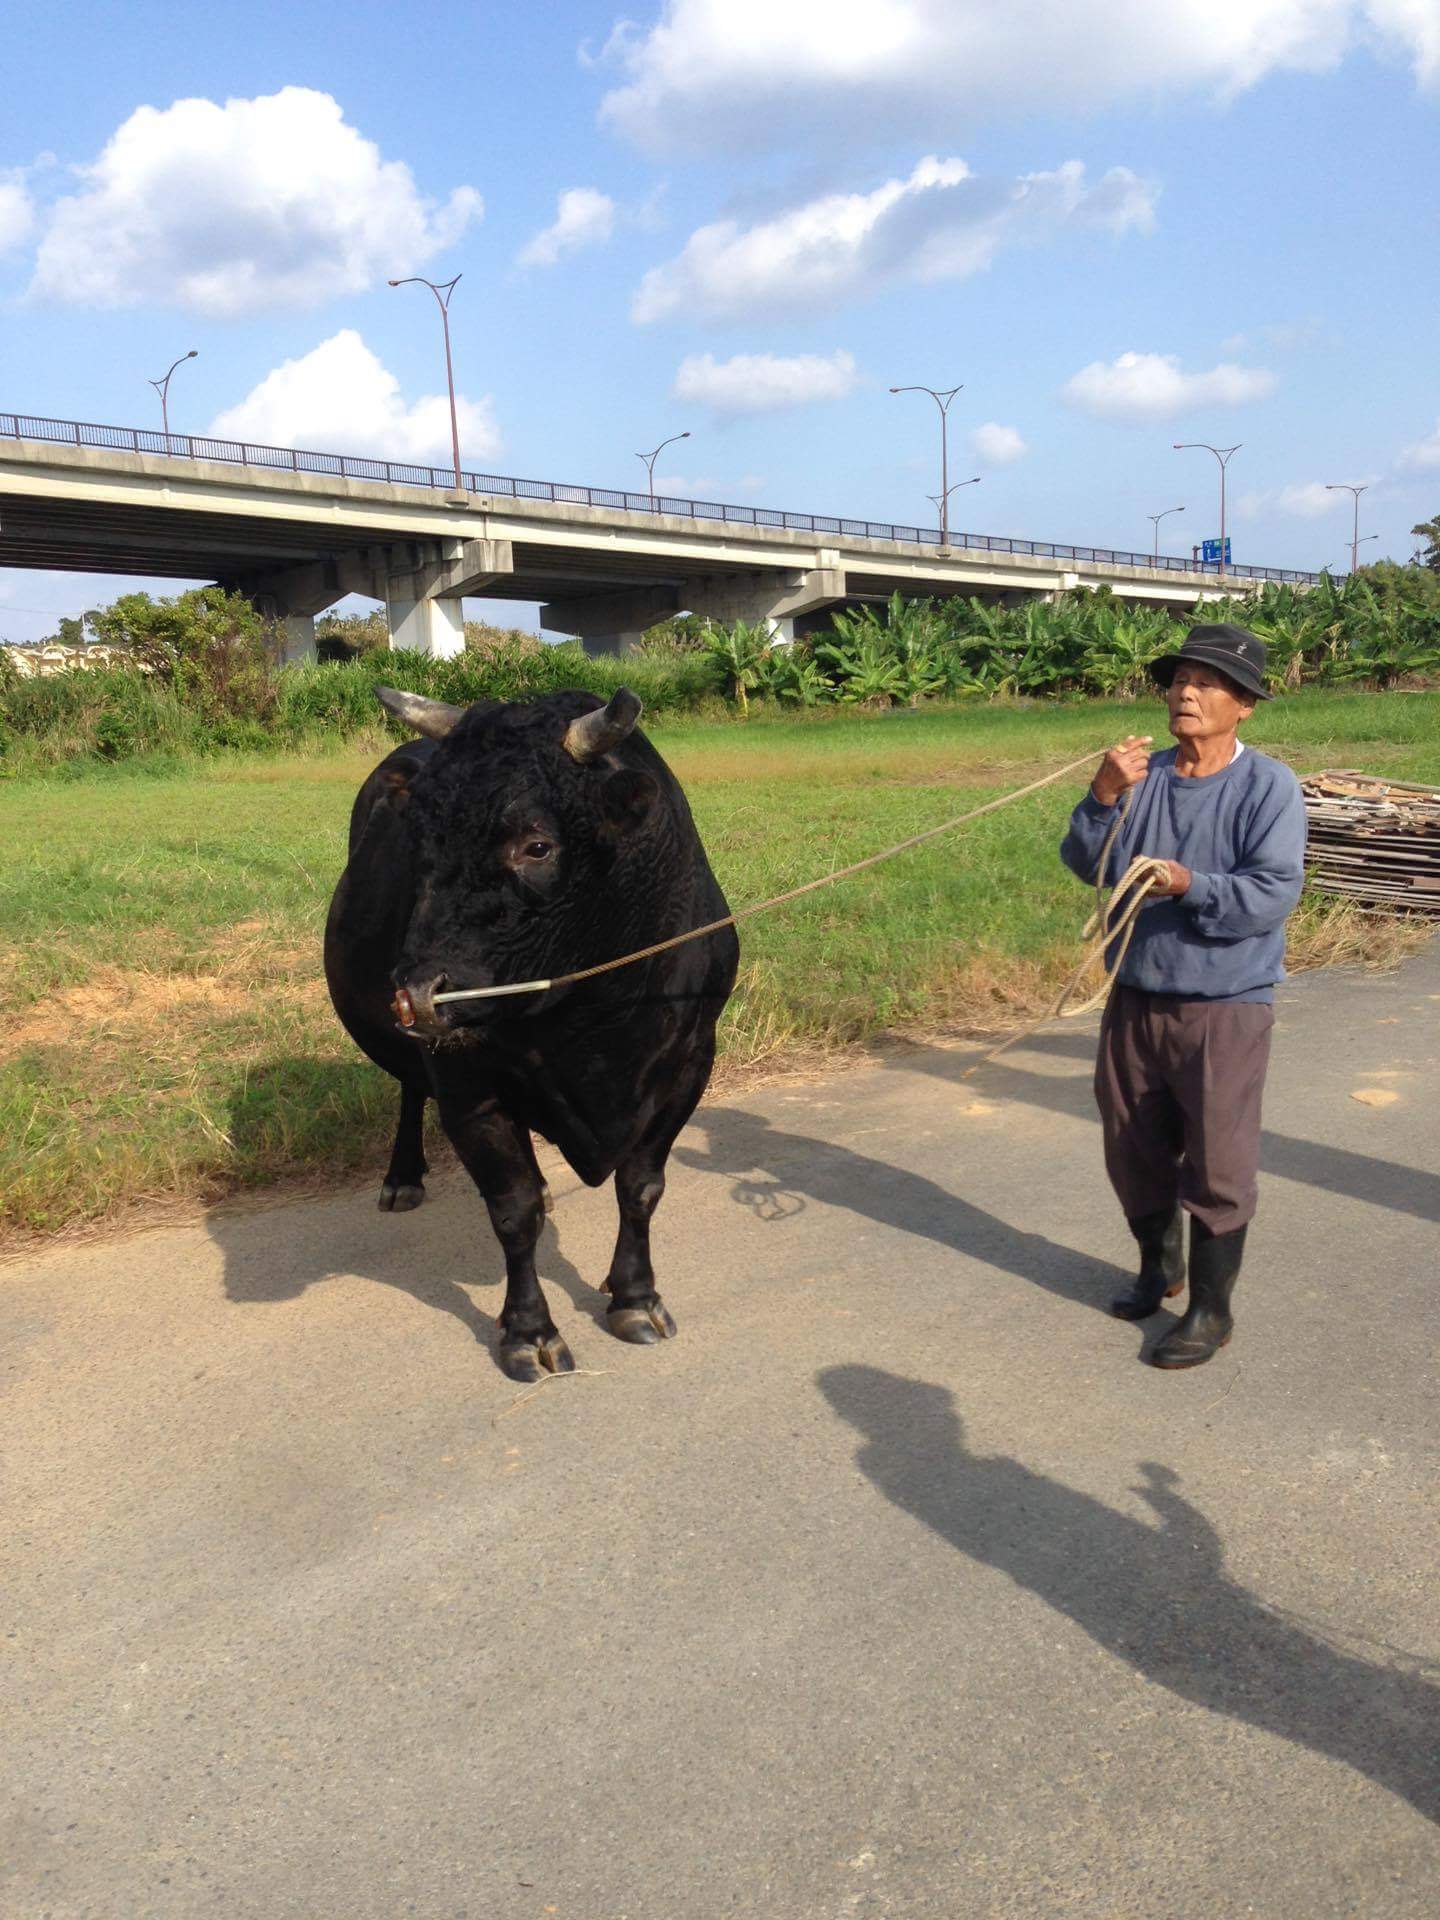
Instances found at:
x=894 y=1586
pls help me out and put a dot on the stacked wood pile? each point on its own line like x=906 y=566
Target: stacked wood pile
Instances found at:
x=1376 y=840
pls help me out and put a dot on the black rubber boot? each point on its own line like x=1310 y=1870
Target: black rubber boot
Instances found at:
x=1214 y=1267
x=1162 y=1265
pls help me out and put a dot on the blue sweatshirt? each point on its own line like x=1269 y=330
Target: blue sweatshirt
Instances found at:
x=1241 y=832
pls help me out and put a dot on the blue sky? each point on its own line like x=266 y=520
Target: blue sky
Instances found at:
x=1118 y=226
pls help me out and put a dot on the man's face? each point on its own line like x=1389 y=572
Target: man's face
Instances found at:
x=1204 y=704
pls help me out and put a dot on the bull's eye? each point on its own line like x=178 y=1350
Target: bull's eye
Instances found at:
x=537 y=850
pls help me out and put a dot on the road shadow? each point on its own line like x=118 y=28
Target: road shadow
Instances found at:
x=1155 y=1596
x=1359 y=1176
x=799 y=1168
x=434 y=1254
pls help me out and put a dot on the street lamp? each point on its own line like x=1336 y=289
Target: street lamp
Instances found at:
x=442 y=294
x=162 y=387
x=942 y=400
x=1222 y=454
x=1156 y=518
x=937 y=498
x=1341 y=486
x=651 y=458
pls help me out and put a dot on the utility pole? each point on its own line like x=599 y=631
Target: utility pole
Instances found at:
x=162 y=387
x=1222 y=454
x=942 y=399
x=938 y=498
x=1155 y=519
x=651 y=458
x=1342 y=486
x=442 y=294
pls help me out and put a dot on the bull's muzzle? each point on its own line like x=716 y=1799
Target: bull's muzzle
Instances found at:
x=414 y=1003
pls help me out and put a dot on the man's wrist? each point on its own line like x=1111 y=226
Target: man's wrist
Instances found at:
x=1102 y=797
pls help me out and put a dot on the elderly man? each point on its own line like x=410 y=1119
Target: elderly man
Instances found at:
x=1186 y=1035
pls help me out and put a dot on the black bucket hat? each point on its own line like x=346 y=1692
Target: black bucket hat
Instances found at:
x=1231 y=650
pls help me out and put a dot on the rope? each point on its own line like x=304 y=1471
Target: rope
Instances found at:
x=1116 y=910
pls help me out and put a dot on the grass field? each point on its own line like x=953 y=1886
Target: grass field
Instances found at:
x=167 y=1033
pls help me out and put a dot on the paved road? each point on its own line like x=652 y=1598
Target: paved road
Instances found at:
x=893 y=1587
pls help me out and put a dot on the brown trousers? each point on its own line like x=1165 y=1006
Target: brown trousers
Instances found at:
x=1178 y=1083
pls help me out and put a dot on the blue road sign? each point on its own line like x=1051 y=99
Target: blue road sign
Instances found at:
x=1211 y=551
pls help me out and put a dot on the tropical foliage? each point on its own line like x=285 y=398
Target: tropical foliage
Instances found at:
x=205 y=669
x=1380 y=627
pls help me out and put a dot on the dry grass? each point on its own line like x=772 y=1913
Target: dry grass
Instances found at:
x=167 y=1042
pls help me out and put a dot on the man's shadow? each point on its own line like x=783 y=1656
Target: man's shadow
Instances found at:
x=1156 y=1596
x=1380 y=1183
x=434 y=1254
x=798 y=1165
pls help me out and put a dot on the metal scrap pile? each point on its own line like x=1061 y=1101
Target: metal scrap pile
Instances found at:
x=1377 y=840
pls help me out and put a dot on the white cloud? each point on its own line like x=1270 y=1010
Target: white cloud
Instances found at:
x=583 y=218
x=1285 y=336
x=17 y=215
x=1424 y=456
x=801 y=71
x=272 y=202
x=763 y=382
x=1304 y=500
x=338 y=398
x=1152 y=386
x=997 y=445
x=939 y=224
x=682 y=486
x=685 y=486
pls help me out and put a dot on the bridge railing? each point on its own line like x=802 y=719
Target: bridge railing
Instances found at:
x=349 y=466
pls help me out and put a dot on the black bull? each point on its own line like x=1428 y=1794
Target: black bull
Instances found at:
x=520 y=841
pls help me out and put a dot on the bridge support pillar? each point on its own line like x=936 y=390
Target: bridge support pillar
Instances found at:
x=297 y=638
x=425 y=585
x=611 y=622
x=425 y=626
x=775 y=600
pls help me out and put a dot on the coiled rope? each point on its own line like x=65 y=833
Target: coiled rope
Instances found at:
x=1116 y=910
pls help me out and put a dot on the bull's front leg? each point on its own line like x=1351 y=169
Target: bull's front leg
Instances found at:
x=499 y=1158
x=636 y=1312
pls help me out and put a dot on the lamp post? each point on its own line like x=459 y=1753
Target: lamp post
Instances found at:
x=937 y=498
x=651 y=458
x=442 y=294
x=942 y=400
x=162 y=387
x=1155 y=519
x=1340 y=486
x=1222 y=454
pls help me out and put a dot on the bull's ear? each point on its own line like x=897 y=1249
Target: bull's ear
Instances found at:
x=396 y=784
x=433 y=718
x=627 y=796
x=596 y=733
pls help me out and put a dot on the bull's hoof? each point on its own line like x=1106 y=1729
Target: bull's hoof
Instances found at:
x=533 y=1359
x=397 y=1198
x=641 y=1326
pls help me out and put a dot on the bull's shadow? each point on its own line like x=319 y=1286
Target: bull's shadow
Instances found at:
x=1156 y=1596
x=798 y=1165
x=435 y=1254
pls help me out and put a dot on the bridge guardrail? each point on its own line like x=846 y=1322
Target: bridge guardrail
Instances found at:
x=350 y=466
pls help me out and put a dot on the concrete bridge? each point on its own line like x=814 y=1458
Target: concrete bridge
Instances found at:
x=297 y=531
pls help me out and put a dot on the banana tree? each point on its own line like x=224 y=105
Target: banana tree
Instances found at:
x=739 y=649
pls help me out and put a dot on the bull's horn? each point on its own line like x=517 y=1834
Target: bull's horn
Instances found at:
x=435 y=718
x=596 y=733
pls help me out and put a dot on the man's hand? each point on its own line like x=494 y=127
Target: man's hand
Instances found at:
x=1179 y=882
x=1123 y=766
